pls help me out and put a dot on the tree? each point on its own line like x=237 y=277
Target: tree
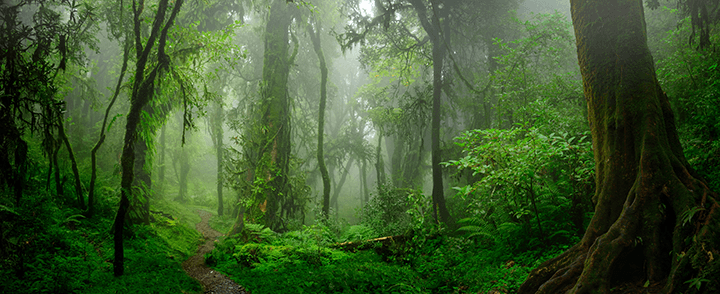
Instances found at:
x=269 y=146
x=101 y=139
x=215 y=128
x=654 y=220
x=315 y=38
x=435 y=26
x=38 y=43
x=142 y=91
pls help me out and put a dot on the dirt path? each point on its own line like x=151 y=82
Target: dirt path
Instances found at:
x=213 y=282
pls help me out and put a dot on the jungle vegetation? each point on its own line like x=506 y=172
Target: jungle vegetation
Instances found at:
x=356 y=146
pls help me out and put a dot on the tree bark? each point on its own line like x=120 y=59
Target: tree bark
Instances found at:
x=338 y=186
x=183 y=175
x=73 y=162
x=142 y=184
x=379 y=163
x=654 y=220
x=270 y=137
x=101 y=140
x=315 y=38
x=141 y=93
x=433 y=27
x=161 y=186
x=219 y=154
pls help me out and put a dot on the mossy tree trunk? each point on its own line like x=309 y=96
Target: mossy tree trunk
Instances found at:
x=315 y=38
x=142 y=183
x=273 y=168
x=142 y=92
x=270 y=137
x=655 y=222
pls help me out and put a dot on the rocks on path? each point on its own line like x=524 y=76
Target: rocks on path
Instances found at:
x=213 y=282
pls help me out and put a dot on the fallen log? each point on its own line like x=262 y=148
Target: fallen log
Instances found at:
x=370 y=243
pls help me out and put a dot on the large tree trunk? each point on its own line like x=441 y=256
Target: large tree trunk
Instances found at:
x=276 y=117
x=270 y=137
x=654 y=220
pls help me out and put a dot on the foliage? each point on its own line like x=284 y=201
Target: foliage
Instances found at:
x=429 y=262
x=690 y=78
x=50 y=248
x=386 y=213
x=539 y=82
x=531 y=189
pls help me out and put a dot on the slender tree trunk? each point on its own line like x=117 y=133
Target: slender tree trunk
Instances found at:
x=58 y=183
x=654 y=221
x=363 y=181
x=431 y=24
x=215 y=128
x=101 y=140
x=73 y=162
x=219 y=154
x=379 y=164
x=315 y=38
x=336 y=193
x=141 y=93
x=183 y=176
x=18 y=173
x=161 y=185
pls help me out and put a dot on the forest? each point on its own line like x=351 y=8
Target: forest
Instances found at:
x=357 y=146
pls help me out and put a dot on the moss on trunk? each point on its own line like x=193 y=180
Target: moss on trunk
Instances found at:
x=641 y=230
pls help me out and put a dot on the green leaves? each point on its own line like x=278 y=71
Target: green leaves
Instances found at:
x=521 y=174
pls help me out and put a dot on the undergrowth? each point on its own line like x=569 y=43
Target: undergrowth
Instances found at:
x=430 y=261
x=51 y=248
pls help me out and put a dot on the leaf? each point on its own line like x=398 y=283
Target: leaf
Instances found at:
x=112 y=121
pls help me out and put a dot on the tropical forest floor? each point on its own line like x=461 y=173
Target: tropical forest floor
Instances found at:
x=212 y=281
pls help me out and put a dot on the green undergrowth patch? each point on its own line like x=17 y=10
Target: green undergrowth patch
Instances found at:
x=179 y=231
x=222 y=223
x=305 y=261
x=49 y=247
x=152 y=265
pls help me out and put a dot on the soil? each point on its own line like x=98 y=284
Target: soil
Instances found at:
x=212 y=281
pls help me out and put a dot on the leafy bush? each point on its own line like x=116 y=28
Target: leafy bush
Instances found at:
x=690 y=78
x=530 y=188
x=357 y=233
x=387 y=211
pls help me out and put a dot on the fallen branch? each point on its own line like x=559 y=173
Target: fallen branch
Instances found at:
x=360 y=245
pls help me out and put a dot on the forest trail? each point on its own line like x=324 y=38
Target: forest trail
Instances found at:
x=213 y=282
